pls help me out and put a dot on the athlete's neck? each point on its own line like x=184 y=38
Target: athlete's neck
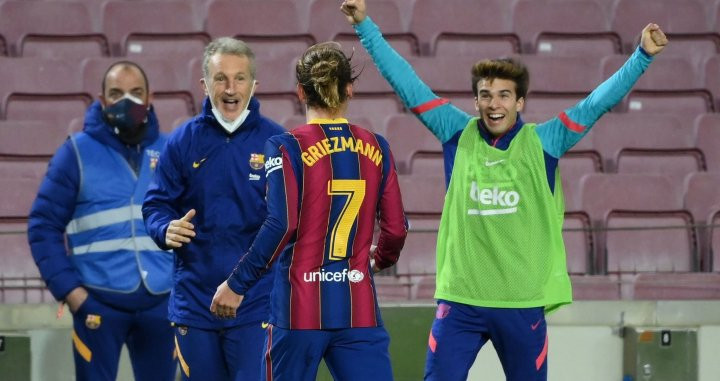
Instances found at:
x=324 y=113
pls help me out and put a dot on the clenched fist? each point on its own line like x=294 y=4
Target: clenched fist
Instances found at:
x=653 y=40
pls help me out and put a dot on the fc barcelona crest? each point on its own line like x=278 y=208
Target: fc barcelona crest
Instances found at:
x=153 y=163
x=257 y=161
x=92 y=321
x=154 y=156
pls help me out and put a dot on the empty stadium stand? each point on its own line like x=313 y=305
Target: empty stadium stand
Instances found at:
x=577 y=28
x=257 y=22
x=462 y=19
x=42 y=29
x=174 y=21
x=707 y=137
x=641 y=189
x=30 y=139
x=674 y=16
x=409 y=138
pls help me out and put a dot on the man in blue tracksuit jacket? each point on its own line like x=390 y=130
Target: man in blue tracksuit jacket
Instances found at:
x=207 y=202
x=114 y=278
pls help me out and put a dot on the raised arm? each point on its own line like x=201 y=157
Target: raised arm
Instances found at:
x=562 y=132
x=442 y=118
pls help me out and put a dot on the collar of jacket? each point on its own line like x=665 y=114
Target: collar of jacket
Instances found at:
x=503 y=141
x=254 y=115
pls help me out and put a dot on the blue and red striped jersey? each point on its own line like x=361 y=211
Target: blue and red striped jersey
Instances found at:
x=328 y=182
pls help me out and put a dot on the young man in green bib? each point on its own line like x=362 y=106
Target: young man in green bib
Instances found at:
x=500 y=254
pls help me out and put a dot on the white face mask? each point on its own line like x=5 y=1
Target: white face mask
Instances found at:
x=231 y=125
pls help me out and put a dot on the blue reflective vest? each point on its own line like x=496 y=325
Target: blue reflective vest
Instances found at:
x=107 y=238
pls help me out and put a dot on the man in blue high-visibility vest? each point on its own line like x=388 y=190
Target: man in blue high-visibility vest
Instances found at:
x=114 y=278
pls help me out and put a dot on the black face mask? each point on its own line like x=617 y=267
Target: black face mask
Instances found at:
x=128 y=120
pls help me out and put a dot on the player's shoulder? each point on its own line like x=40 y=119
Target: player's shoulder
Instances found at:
x=285 y=139
x=304 y=132
x=364 y=133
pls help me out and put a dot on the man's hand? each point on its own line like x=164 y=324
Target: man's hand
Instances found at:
x=180 y=231
x=225 y=302
x=653 y=40
x=373 y=265
x=354 y=10
x=76 y=298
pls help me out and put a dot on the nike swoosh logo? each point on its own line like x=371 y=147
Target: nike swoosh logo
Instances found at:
x=264 y=325
x=196 y=164
x=491 y=163
x=534 y=326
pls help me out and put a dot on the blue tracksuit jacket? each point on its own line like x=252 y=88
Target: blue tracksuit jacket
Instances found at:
x=222 y=177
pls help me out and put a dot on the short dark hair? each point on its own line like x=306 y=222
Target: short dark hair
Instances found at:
x=125 y=64
x=324 y=71
x=503 y=68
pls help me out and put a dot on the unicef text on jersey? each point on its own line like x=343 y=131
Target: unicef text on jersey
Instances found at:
x=354 y=276
x=498 y=201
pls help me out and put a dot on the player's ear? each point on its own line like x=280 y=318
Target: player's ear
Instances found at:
x=300 y=93
x=204 y=87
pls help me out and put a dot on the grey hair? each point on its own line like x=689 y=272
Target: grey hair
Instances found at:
x=227 y=45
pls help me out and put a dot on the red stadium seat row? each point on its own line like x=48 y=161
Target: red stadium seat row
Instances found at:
x=66 y=89
x=614 y=214
x=638 y=237
x=429 y=27
x=636 y=230
x=20 y=280
x=618 y=143
x=643 y=211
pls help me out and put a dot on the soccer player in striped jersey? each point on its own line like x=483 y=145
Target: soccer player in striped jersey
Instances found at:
x=328 y=182
x=500 y=253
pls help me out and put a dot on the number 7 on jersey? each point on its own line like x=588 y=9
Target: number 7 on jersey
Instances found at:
x=354 y=190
